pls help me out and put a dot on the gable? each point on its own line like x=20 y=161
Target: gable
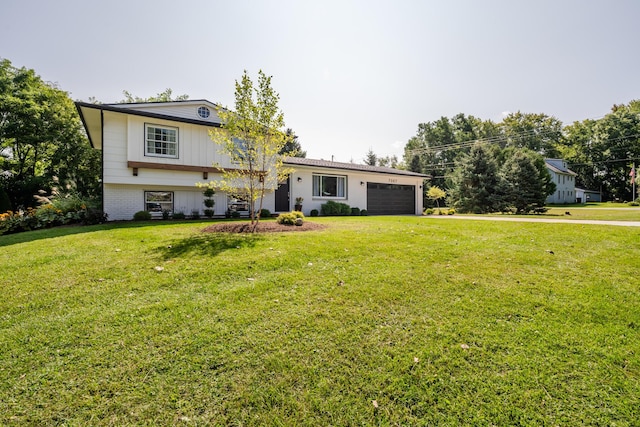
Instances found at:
x=200 y=110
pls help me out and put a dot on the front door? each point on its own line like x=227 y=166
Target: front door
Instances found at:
x=282 y=197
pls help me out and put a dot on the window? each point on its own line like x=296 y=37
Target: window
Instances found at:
x=204 y=112
x=237 y=204
x=330 y=186
x=161 y=141
x=158 y=201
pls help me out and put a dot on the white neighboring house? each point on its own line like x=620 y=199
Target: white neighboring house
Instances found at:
x=565 y=180
x=154 y=153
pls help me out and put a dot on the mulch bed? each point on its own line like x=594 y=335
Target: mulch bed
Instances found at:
x=263 y=227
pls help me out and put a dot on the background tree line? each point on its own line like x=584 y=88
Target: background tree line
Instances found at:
x=601 y=151
x=42 y=142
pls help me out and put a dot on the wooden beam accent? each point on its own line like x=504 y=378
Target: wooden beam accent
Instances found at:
x=182 y=168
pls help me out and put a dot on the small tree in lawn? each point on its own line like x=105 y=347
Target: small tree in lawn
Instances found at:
x=252 y=137
x=435 y=194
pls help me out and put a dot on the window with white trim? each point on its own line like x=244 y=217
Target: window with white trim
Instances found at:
x=158 y=201
x=331 y=186
x=161 y=141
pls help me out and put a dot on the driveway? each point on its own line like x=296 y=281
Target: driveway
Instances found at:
x=548 y=220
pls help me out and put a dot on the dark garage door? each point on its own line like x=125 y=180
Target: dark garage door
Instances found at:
x=391 y=199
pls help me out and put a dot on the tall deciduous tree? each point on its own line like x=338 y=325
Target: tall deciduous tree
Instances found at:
x=436 y=146
x=252 y=137
x=537 y=132
x=41 y=139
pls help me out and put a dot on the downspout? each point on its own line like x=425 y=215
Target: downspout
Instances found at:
x=102 y=160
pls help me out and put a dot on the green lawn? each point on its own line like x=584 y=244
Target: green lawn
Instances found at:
x=372 y=321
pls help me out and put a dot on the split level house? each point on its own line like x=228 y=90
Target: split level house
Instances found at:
x=154 y=154
x=565 y=180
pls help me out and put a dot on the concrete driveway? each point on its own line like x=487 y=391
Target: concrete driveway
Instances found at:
x=548 y=220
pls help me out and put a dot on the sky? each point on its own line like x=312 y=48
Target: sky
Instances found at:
x=352 y=75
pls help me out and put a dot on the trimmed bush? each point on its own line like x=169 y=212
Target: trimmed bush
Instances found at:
x=209 y=213
x=363 y=212
x=142 y=216
x=179 y=215
x=195 y=214
x=428 y=211
x=314 y=212
x=355 y=211
x=291 y=218
x=265 y=213
x=332 y=208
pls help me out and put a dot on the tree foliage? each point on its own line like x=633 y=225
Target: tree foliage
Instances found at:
x=292 y=147
x=166 y=96
x=435 y=194
x=42 y=143
x=602 y=151
x=475 y=184
x=527 y=182
x=252 y=137
x=537 y=132
x=436 y=146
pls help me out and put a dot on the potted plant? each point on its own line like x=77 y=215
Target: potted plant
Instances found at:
x=298 y=205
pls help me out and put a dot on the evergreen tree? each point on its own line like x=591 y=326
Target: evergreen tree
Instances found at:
x=526 y=189
x=292 y=146
x=475 y=184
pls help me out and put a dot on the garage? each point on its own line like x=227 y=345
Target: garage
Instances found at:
x=391 y=199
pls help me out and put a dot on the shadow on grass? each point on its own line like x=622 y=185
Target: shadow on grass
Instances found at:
x=210 y=244
x=68 y=230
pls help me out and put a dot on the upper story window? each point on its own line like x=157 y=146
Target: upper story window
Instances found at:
x=204 y=112
x=161 y=141
x=330 y=186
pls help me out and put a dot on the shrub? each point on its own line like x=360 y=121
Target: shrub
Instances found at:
x=291 y=218
x=166 y=214
x=451 y=211
x=634 y=203
x=364 y=212
x=428 y=211
x=355 y=211
x=179 y=215
x=142 y=216
x=195 y=214
x=235 y=214
x=208 y=192
x=209 y=213
x=209 y=203
x=314 y=212
x=265 y=213
x=334 y=208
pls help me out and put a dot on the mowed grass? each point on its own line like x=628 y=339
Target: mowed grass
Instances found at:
x=372 y=321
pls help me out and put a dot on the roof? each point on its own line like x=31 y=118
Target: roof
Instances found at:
x=300 y=161
x=91 y=115
x=587 y=191
x=558 y=166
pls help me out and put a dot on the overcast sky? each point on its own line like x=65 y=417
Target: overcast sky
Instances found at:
x=352 y=75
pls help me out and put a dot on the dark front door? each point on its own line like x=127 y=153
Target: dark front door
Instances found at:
x=282 y=197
